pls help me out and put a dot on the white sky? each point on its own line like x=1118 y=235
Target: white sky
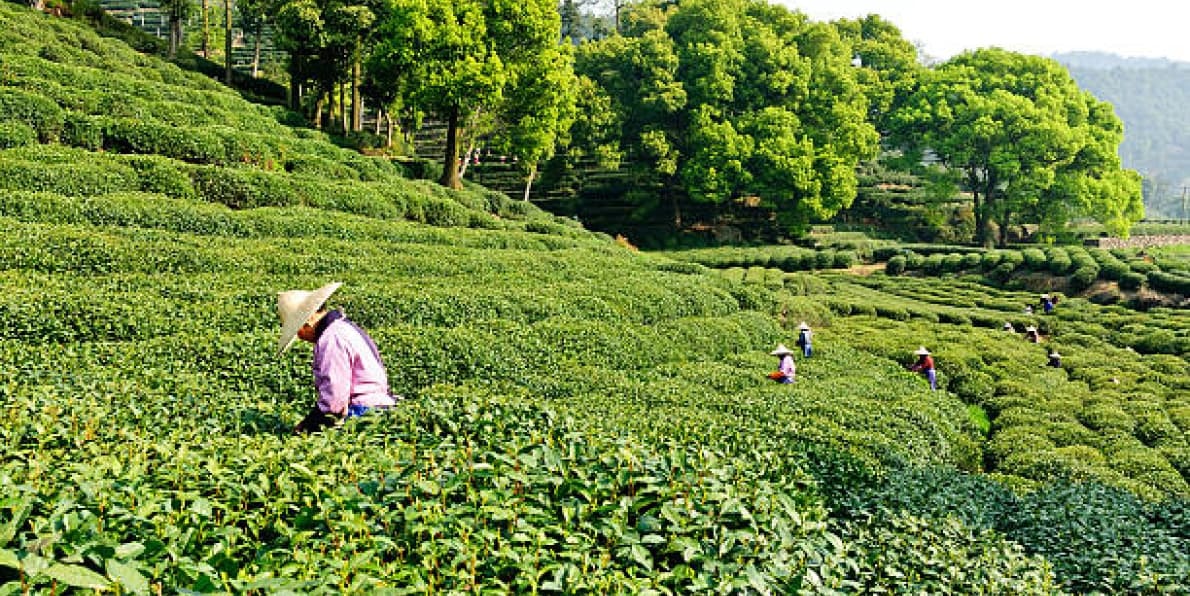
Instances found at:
x=1131 y=28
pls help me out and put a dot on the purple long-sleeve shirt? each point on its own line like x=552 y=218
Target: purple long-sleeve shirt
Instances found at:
x=787 y=367
x=347 y=367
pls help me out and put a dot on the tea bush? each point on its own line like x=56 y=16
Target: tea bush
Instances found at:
x=578 y=417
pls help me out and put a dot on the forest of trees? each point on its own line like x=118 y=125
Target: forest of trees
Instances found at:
x=706 y=113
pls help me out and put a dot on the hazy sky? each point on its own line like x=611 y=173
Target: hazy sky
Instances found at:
x=1145 y=28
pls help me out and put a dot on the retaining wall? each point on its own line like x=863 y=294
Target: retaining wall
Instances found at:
x=1137 y=241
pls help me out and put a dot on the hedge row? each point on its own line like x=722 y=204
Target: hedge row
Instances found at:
x=784 y=258
x=1082 y=267
x=73 y=172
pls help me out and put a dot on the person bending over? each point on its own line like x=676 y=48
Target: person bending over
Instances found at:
x=348 y=371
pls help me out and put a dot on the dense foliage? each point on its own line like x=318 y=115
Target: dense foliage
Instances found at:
x=578 y=416
x=1028 y=143
x=716 y=101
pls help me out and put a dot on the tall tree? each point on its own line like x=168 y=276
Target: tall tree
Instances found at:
x=254 y=15
x=227 y=39
x=539 y=108
x=721 y=101
x=888 y=65
x=177 y=11
x=637 y=73
x=326 y=42
x=453 y=59
x=1024 y=135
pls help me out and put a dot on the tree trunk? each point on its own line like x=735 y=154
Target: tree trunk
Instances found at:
x=295 y=93
x=529 y=182
x=1005 y=223
x=205 y=50
x=388 y=135
x=450 y=162
x=343 y=115
x=256 y=49
x=673 y=198
x=318 y=105
x=38 y=5
x=175 y=36
x=357 y=104
x=227 y=42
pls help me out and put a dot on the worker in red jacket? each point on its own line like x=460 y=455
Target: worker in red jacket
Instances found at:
x=925 y=365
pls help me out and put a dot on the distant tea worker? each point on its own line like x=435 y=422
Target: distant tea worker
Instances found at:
x=1047 y=304
x=805 y=339
x=348 y=371
x=925 y=365
x=1055 y=359
x=1031 y=335
x=786 y=369
x=1008 y=327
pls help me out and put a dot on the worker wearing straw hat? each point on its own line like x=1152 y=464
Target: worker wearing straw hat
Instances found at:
x=804 y=339
x=348 y=372
x=1031 y=334
x=1055 y=359
x=786 y=370
x=925 y=365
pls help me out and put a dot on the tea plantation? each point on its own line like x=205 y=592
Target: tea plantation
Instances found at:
x=578 y=417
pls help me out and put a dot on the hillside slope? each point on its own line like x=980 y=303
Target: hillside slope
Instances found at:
x=579 y=417
x=1150 y=97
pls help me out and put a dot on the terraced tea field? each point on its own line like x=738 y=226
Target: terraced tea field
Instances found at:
x=578 y=417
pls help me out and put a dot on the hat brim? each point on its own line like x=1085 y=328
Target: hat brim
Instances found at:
x=302 y=313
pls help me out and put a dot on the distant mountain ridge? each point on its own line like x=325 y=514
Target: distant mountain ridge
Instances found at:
x=1150 y=96
x=1100 y=60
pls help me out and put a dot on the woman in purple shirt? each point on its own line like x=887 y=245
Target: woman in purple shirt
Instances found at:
x=348 y=371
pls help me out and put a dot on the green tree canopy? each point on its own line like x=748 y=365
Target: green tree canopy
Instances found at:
x=455 y=58
x=726 y=100
x=1028 y=141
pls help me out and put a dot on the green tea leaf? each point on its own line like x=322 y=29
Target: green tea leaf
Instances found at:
x=127 y=576
x=77 y=576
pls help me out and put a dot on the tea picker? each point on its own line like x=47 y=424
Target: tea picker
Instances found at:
x=804 y=339
x=348 y=371
x=786 y=369
x=925 y=365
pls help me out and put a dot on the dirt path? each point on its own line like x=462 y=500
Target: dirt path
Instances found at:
x=863 y=269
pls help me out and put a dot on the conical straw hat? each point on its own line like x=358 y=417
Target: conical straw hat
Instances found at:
x=922 y=351
x=781 y=350
x=295 y=308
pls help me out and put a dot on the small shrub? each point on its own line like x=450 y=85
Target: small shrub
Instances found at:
x=1059 y=260
x=80 y=130
x=991 y=260
x=1142 y=266
x=952 y=263
x=895 y=265
x=1083 y=277
x=39 y=113
x=1132 y=281
x=844 y=259
x=242 y=188
x=1169 y=282
x=972 y=261
x=16 y=134
x=824 y=259
x=1034 y=259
